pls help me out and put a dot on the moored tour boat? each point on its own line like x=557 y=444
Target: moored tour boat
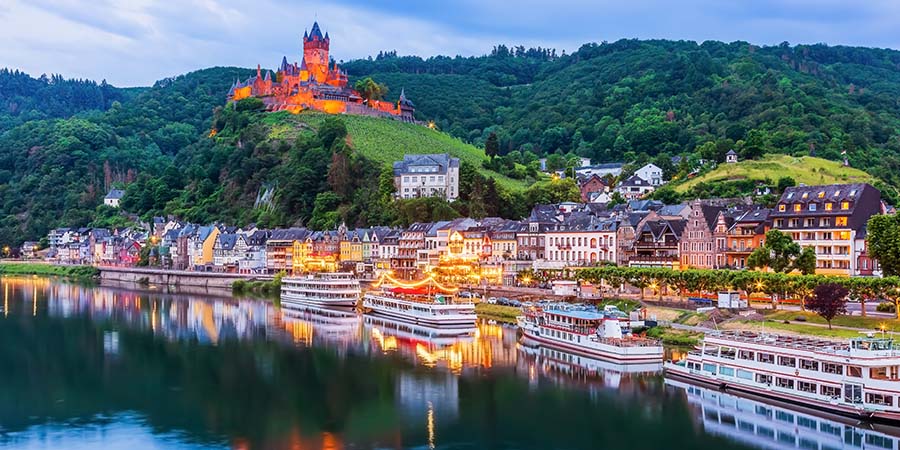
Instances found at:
x=320 y=289
x=430 y=305
x=590 y=333
x=859 y=378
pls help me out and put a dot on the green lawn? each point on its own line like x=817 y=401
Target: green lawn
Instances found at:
x=867 y=323
x=797 y=328
x=498 y=312
x=83 y=272
x=386 y=140
x=805 y=169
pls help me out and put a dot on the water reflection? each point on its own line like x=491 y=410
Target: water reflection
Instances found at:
x=192 y=371
x=779 y=427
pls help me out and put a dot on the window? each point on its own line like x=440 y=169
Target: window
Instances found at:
x=746 y=354
x=829 y=206
x=787 y=361
x=781 y=207
x=763 y=379
x=845 y=205
x=812 y=206
x=727 y=352
x=765 y=358
x=830 y=391
x=798 y=207
x=808 y=364
x=804 y=386
x=711 y=368
x=854 y=371
x=883 y=373
x=745 y=374
x=726 y=371
x=821 y=194
x=879 y=399
x=840 y=221
x=786 y=383
x=805 y=195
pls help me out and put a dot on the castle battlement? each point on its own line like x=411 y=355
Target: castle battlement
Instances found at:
x=312 y=84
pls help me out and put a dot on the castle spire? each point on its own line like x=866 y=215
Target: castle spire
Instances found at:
x=258 y=68
x=316 y=32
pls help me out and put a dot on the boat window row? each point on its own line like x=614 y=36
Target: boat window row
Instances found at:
x=875 y=373
x=565 y=336
x=852 y=393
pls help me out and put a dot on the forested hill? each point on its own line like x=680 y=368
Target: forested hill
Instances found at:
x=673 y=97
x=65 y=143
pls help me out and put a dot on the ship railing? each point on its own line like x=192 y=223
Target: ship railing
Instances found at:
x=626 y=342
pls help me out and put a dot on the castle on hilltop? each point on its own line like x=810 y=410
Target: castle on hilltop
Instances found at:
x=314 y=84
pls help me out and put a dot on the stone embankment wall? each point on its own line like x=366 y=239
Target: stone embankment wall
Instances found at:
x=176 y=277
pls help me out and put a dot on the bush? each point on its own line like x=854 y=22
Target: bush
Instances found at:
x=886 y=307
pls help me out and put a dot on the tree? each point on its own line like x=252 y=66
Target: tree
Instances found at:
x=492 y=146
x=781 y=254
x=806 y=262
x=828 y=300
x=884 y=242
x=370 y=90
x=784 y=183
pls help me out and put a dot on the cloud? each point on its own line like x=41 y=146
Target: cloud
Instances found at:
x=136 y=42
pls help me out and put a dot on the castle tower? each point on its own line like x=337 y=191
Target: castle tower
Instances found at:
x=315 y=53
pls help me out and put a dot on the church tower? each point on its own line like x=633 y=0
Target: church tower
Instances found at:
x=315 y=53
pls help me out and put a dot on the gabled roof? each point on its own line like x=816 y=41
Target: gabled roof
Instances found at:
x=635 y=181
x=115 y=194
x=443 y=161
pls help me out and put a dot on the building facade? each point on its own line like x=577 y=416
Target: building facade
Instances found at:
x=418 y=176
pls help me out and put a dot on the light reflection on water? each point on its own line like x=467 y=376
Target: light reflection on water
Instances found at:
x=92 y=367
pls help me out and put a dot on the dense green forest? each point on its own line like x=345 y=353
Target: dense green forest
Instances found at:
x=64 y=143
x=632 y=98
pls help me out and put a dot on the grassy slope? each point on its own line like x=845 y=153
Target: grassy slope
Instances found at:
x=807 y=170
x=387 y=140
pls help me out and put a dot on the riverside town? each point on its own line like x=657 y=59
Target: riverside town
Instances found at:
x=511 y=247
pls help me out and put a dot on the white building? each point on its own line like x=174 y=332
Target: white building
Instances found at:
x=634 y=188
x=113 y=198
x=581 y=245
x=601 y=170
x=435 y=175
x=651 y=173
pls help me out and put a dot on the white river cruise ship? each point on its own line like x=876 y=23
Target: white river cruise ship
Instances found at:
x=422 y=306
x=590 y=333
x=320 y=289
x=858 y=378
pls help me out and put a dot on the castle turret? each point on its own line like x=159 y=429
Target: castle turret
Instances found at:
x=315 y=53
x=405 y=105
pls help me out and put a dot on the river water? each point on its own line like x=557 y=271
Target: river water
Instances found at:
x=111 y=367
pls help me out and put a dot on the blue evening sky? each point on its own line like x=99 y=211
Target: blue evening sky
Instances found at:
x=135 y=42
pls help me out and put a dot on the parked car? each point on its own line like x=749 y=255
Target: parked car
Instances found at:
x=492 y=300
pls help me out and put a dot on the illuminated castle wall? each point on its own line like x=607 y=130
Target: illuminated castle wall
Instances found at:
x=314 y=85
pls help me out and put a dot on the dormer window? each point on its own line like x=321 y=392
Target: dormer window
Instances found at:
x=781 y=207
x=821 y=194
x=829 y=206
x=805 y=195
x=845 y=205
x=797 y=207
x=812 y=206
x=790 y=195
x=837 y=192
x=853 y=193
